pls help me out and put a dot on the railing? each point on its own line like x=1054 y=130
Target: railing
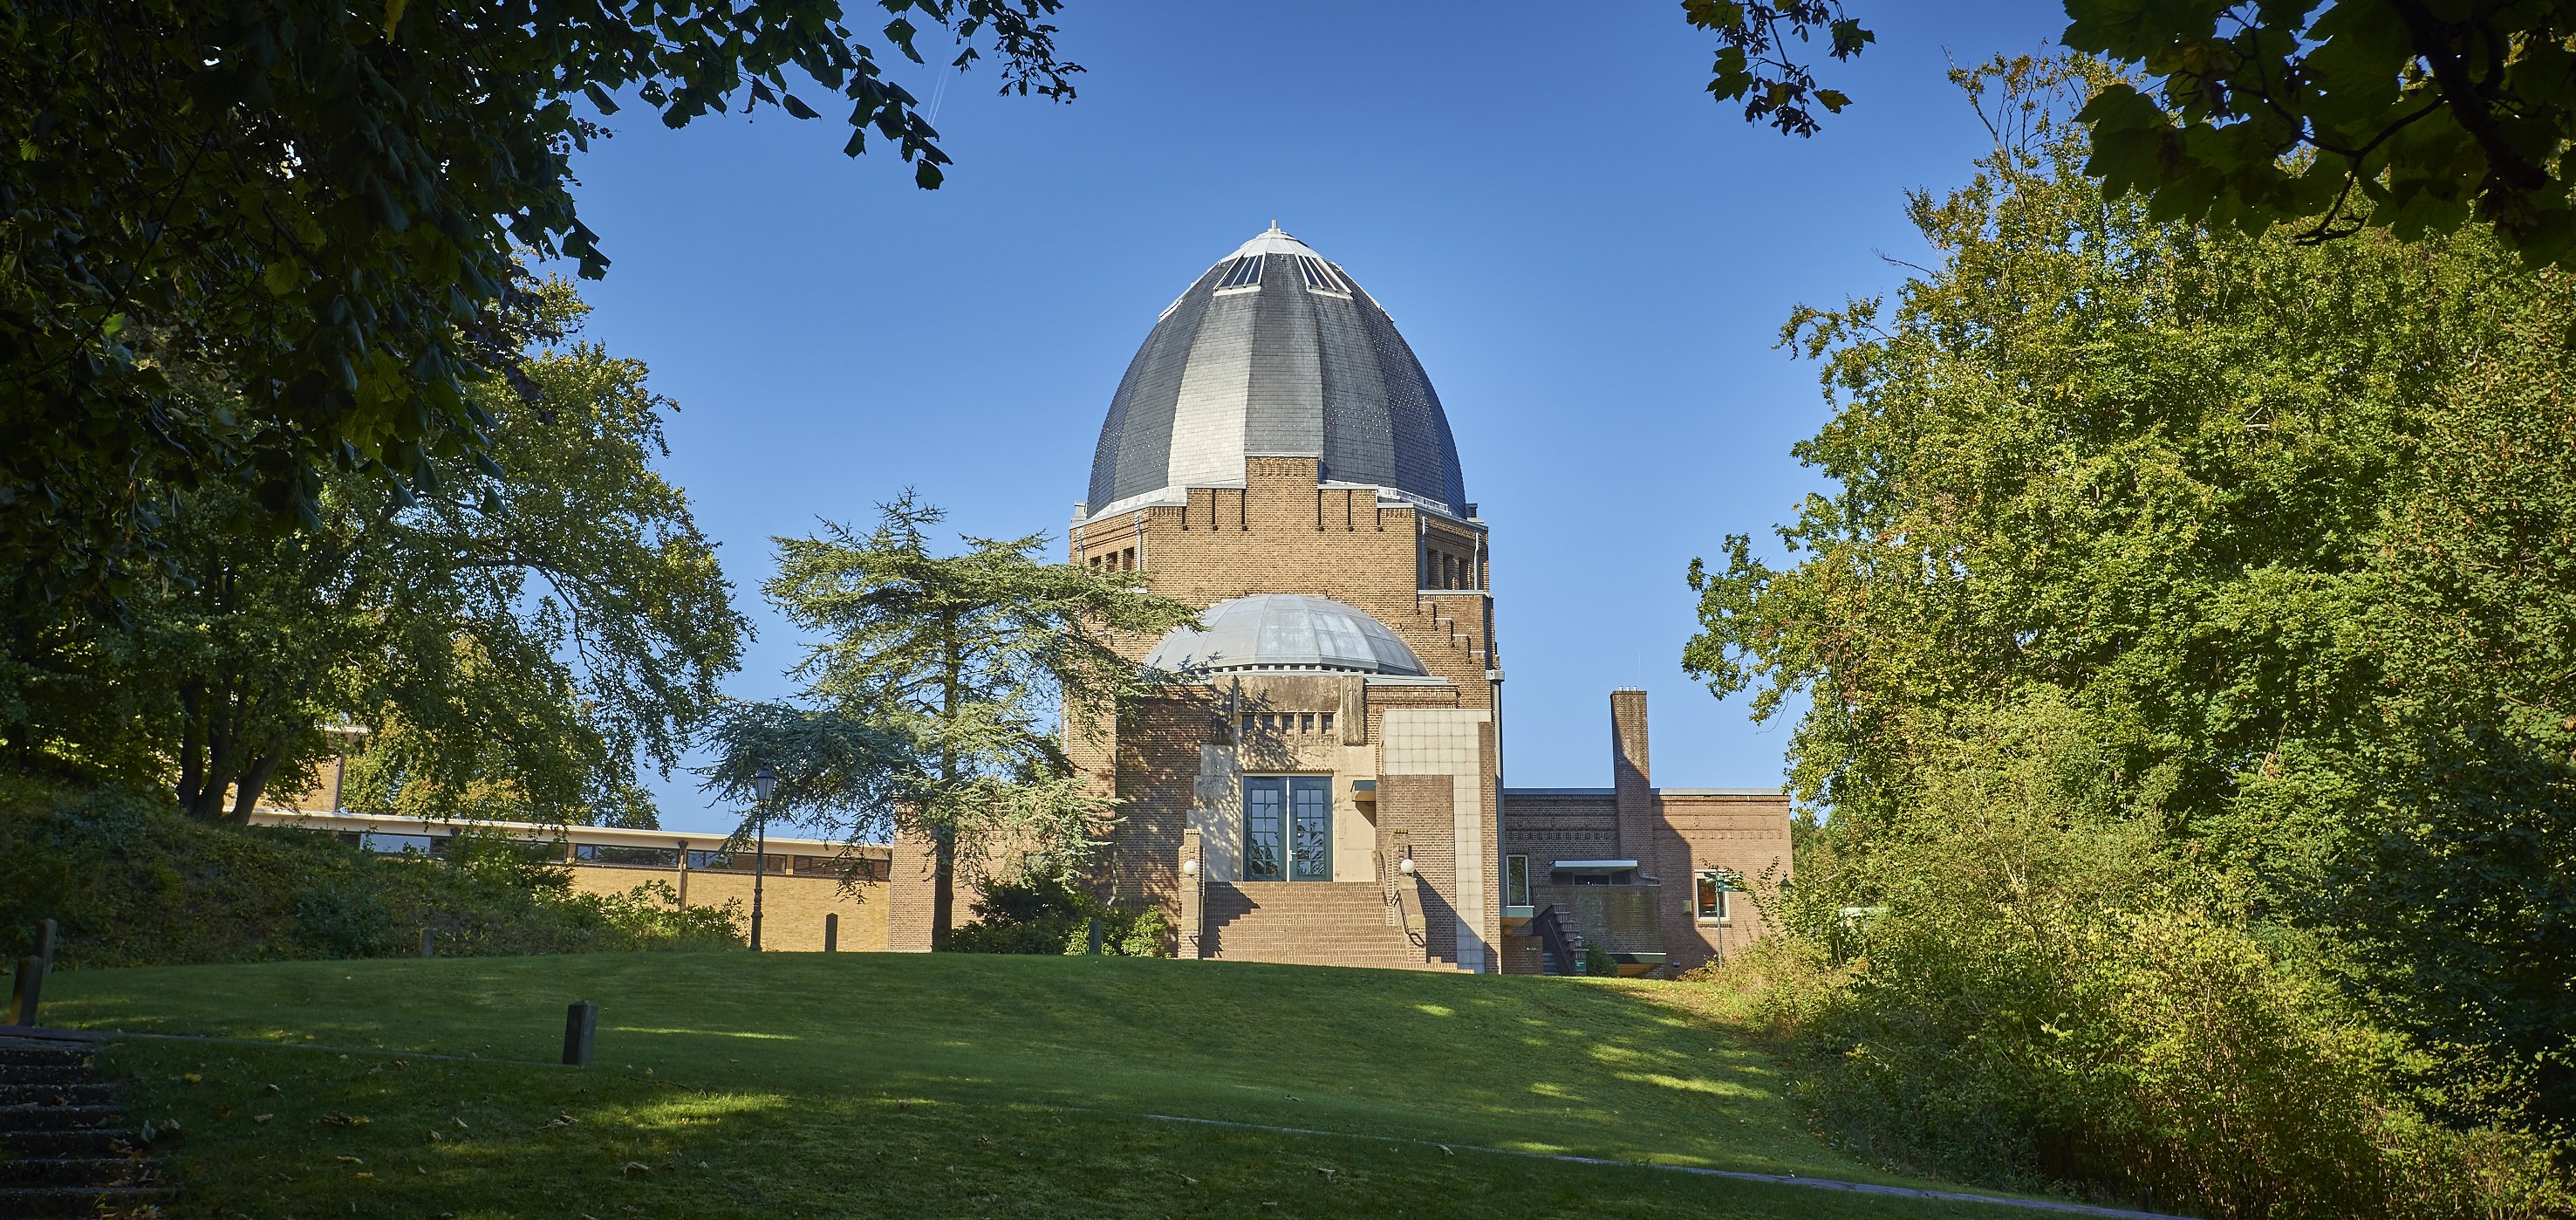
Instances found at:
x=1551 y=936
x=1386 y=887
x=1408 y=905
x=1402 y=892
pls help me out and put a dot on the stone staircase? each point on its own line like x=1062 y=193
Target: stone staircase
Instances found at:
x=63 y=1148
x=1308 y=923
x=1561 y=943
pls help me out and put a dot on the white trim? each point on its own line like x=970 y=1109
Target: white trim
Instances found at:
x=606 y=836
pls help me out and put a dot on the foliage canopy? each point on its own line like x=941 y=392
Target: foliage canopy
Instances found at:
x=318 y=210
x=512 y=644
x=2409 y=115
x=2273 y=533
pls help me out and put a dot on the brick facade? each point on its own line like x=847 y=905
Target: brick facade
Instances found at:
x=1413 y=762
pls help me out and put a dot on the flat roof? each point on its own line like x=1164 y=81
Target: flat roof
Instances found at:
x=616 y=836
x=1656 y=791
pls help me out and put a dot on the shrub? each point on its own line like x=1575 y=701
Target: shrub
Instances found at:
x=1037 y=913
x=133 y=884
x=2044 y=996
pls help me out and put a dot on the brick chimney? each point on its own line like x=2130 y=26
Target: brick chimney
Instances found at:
x=1632 y=779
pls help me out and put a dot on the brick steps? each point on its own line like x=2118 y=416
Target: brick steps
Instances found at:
x=1309 y=923
x=63 y=1148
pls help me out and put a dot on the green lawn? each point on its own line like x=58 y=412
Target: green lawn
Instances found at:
x=861 y=1084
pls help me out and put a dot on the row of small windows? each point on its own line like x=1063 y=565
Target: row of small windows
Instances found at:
x=1442 y=570
x=1319 y=275
x=618 y=855
x=1114 y=561
x=1288 y=722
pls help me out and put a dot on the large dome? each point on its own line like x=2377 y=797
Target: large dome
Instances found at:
x=1284 y=631
x=1274 y=351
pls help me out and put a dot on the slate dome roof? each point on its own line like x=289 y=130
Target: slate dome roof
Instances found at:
x=1275 y=631
x=1274 y=350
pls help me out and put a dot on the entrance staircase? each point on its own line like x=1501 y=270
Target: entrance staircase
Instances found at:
x=1307 y=923
x=64 y=1150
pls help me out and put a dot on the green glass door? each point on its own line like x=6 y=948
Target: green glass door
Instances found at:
x=1287 y=828
x=1310 y=828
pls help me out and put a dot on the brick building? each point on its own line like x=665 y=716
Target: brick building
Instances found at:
x=817 y=893
x=1329 y=785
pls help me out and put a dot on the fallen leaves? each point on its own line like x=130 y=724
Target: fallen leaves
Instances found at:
x=560 y=1120
x=261 y=1118
x=636 y=1169
x=337 y=1119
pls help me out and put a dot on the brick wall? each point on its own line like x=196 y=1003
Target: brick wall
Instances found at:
x=1421 y=807
x=792 y=907
x=1744 y=831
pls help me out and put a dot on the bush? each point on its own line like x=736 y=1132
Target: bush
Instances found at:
x=1040 y=914
x=2045 y=998
x=133 y=884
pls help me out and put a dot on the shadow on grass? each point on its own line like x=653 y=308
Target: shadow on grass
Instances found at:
x=1621 y=1070
x=295 y=1131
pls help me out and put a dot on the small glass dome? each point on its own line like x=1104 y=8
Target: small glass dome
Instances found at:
x=1284 y=631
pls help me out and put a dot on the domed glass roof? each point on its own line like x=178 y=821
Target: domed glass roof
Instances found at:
x=1284 y=631
x=1274 y=351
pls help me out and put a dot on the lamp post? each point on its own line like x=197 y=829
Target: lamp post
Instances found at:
x=763 y=782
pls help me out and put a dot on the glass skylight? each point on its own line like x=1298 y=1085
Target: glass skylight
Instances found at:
x=1320 y=275
x=1245 y=271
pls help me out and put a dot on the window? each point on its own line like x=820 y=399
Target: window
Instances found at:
x=732 y=861
x=1328 y=722
x=1246 y=272
x=1320 y=275
x=1287 y=828
x=1247 y=722
x=1710 y=888
x=625 y=857
x=1516 y=881
x=1305 y=722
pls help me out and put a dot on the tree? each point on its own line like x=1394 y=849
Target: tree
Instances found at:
x=2285 y=525
x=2408 y=115
x=938 y=699
x=515 y=639
x=318 y=208
x=1753 y=57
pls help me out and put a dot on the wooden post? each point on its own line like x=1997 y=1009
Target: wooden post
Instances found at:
x=30 y=989
x=428 y=943
x=581 y=1027
x=46 y=930
x=832 y=933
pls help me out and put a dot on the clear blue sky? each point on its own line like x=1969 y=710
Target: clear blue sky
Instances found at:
x=1590 y=257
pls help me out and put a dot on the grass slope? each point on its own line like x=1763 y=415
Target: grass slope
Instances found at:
x=855 y=1084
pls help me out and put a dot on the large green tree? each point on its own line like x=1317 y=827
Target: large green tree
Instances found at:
x=317 y=207
x=2417 y=116
x=938 y=700
x=2287 y=526
x=513 y=639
